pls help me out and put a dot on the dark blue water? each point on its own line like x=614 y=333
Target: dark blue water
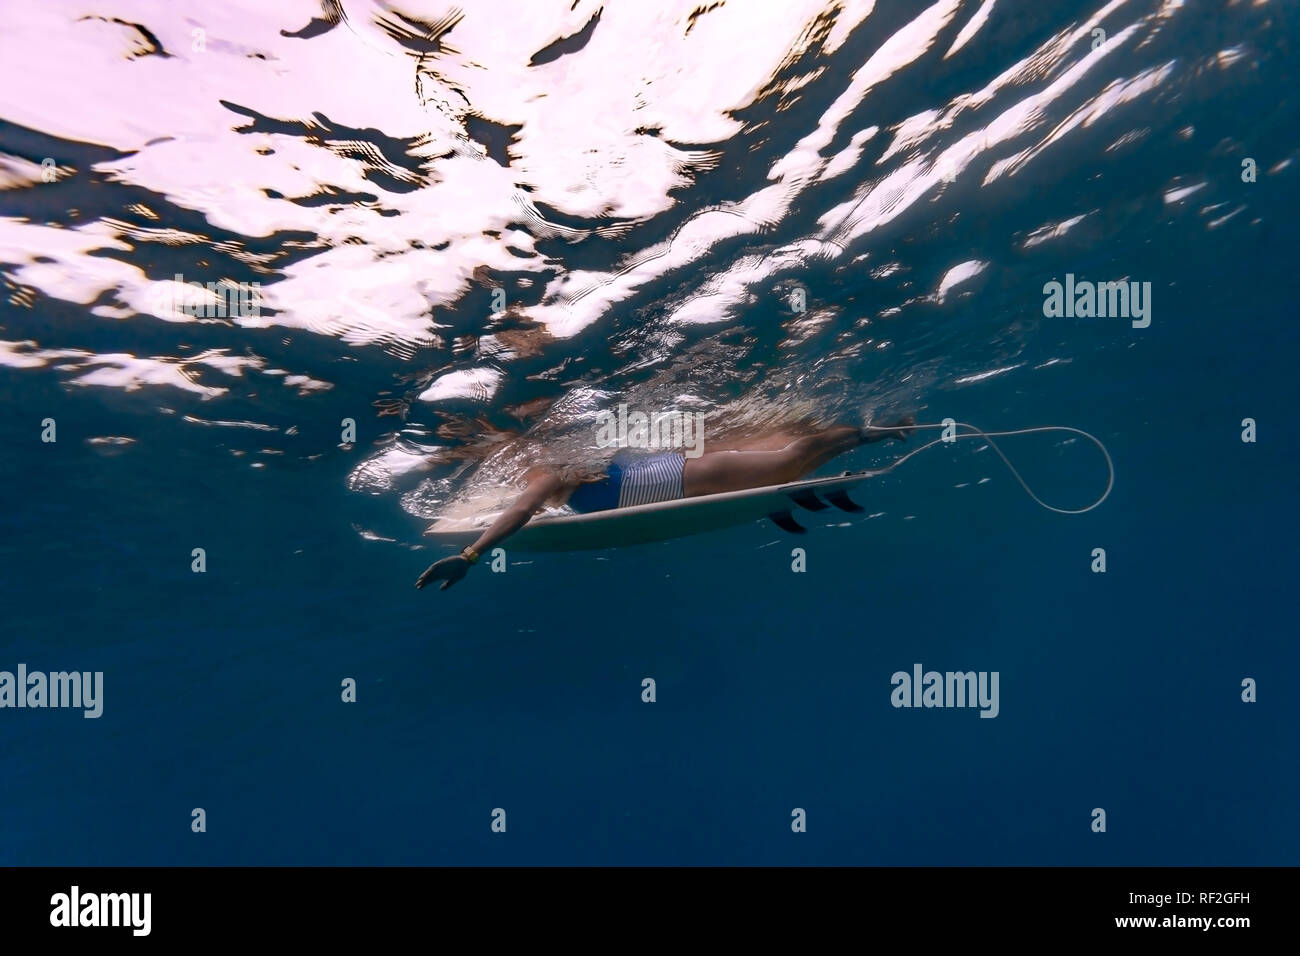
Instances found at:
x=522 y=690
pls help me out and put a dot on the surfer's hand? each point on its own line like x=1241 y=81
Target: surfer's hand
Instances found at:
x=448 y=571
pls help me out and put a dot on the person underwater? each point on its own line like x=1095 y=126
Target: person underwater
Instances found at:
x=774 y=459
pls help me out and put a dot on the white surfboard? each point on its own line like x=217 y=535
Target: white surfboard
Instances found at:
x=663 y=520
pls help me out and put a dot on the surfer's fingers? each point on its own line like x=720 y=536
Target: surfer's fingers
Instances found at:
x=446 y=584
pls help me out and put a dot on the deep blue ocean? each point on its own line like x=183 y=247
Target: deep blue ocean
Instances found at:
x=649 y=190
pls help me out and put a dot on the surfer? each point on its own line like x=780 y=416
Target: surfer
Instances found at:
x=772 y=460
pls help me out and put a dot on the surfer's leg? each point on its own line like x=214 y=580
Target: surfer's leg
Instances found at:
x=718 y=471
x=822 y=447
x=772 y=442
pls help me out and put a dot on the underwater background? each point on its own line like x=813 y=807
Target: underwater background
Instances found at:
x=470 y=230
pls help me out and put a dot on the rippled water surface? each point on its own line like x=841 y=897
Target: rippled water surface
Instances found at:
x=468 y=230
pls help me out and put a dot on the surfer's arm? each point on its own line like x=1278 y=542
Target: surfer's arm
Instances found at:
x=545 y=485
x=542 y=486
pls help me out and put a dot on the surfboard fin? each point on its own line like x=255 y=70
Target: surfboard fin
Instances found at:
x=785 y=521
x=806 y=499
x=840 y=499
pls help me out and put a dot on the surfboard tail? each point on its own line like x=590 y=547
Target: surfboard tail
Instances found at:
x=785 y=521
x=841 y=500
x=809 y=500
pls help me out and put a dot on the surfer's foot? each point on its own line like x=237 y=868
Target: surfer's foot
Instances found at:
x=898 y=430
